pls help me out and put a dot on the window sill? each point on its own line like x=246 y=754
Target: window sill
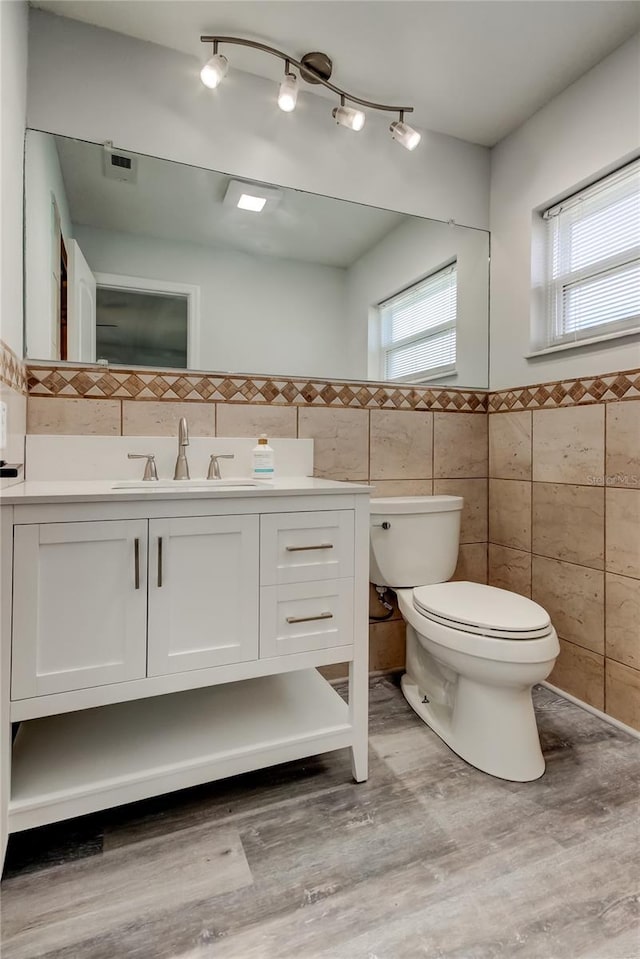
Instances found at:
x=578 y=344
x=429 y=379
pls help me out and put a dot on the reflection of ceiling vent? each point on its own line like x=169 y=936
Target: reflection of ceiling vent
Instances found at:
x=117 y=165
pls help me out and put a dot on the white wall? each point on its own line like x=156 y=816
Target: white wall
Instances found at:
x=13 y=97
x=257 y=313
x=406 y=255
x=43 y=185
x=97 y=85
x=590 y=128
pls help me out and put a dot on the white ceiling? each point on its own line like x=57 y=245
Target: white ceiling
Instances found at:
x=172 y=201
x=475 y=69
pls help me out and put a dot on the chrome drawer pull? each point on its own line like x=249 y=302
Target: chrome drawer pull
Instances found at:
x=308 y=619
x=299 y=549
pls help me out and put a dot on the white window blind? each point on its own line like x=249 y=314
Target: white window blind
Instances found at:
x=593 y=260
x=418 y=328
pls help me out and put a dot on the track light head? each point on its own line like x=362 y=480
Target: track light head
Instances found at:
x=348 y=117
x=214 y=71
x=405 y=135
x=288 y=93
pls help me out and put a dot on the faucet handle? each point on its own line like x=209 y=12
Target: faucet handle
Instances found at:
x=214 y=466
x=150 y=471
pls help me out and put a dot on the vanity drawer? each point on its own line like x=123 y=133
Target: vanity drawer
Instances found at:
x=305 y=616
x=304 y=547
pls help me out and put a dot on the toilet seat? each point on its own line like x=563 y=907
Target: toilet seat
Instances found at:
x=483 y=610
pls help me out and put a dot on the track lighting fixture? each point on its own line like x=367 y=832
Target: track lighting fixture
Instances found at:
x=288 y=93
x=404 y=134
x=313 y=68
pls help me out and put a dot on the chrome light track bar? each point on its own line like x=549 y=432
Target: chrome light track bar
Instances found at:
x=313 y=67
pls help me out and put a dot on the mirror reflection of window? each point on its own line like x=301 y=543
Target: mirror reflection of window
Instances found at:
x=137 y=328
x=418 y=328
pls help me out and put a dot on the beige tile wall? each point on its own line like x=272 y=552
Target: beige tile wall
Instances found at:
x=564 y=528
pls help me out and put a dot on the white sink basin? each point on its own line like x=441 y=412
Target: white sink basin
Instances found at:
x=193 y=485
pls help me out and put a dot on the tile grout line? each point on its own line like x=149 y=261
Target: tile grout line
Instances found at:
x=369 y=447
x=531 y=519
x=433 y=451
x=488 y=573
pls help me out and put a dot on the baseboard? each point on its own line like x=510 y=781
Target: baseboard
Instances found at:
x=592 y=709
x=373 y=674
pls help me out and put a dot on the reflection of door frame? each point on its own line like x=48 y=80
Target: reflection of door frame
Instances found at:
x=63 y=301
x=115 y=281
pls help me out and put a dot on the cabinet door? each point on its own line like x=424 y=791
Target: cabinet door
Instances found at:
x=80 y=606
x=203 y=592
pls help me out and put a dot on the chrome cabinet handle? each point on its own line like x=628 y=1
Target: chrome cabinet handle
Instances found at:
x=136 y=562
x=159 y=561
x=300 y=549
x=309 y=619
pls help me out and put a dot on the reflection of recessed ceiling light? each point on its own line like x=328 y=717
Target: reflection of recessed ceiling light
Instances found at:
x=253 y=203
x=256 y=197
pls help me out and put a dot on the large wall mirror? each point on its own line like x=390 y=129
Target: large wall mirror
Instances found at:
x=137 y=261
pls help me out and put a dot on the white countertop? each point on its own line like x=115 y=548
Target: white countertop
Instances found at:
x=91 y=491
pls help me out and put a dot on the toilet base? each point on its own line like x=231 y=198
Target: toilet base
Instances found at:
x=491 y=728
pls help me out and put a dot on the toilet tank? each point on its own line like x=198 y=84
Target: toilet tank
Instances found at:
x=414 y=539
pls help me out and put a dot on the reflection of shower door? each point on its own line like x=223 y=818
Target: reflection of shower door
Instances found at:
x=147 y=322
x=81 y=324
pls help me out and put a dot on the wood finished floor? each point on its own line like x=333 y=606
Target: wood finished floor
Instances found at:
x=429 y=859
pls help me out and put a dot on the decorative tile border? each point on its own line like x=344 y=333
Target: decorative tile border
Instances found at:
x=103 y=383
x=595 y=389
x=12 y=370
x=98 y=383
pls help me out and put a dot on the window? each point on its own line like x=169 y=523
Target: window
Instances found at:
x=418 y=328
x=592 y=280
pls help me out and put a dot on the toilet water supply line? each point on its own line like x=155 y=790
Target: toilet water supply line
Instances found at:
x=382 y=592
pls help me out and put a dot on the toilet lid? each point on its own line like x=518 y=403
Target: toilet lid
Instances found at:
x=486 y=610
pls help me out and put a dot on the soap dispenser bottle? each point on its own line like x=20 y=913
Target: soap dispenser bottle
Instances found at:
x=263 y=459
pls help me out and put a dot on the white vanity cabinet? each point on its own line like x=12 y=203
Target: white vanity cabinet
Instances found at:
x=155 y=641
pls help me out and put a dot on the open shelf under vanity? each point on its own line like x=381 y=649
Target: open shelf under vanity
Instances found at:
x=79 y=762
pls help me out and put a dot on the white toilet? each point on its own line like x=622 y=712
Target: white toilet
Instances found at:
x=473 y=652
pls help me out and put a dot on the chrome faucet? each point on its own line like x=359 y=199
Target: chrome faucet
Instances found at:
x=181 y=471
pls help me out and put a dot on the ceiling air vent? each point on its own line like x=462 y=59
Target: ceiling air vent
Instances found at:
x=119 y=166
